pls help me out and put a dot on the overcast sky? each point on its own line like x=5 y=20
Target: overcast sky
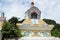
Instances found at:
x=50 y=9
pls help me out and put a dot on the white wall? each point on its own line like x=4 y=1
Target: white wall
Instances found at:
x=39 y=38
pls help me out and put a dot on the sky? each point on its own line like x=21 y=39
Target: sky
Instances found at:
x=50 y=9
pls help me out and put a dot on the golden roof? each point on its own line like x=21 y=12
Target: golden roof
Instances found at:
x=29 y=21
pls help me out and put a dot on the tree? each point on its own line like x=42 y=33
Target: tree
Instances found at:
x=21 y=21
x=10 y=31
x=49 y=21
x=13 y=20
x=56 y=30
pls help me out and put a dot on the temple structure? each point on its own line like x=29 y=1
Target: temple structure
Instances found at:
x=34 y=26
x=2 y=20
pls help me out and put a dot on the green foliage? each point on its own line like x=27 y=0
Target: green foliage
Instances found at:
x=9 y=30
x=56 y=30
x=49 y=21
x=13 y=20
x=21 y=21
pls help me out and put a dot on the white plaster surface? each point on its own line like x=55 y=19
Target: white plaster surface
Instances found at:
x=39 y=38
